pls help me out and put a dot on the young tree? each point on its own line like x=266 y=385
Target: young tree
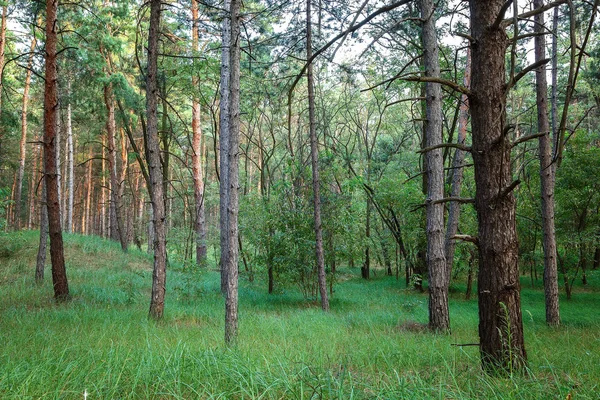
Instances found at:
x=59 y=274
x=314 y=156
x=200 y=220
x=439 y=275
x=231 y=251
x=155 y=172
x=547 y=173
x=500 y=321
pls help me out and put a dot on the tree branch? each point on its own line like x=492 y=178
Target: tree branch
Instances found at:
x=446 y=82
x=528 y=137
x=444 y=145
x=524 y=72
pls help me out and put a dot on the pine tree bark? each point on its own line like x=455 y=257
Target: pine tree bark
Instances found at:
x=232 y=249
x=2 y=52
x=314 y=156
x=59 y=274
x=439 y=275
x=224 y=119
x=500 y=321
x=547 y=174
x=23 y=142
x=159 y=275
x=200 y=222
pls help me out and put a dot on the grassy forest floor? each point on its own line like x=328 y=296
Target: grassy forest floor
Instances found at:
x=102 y=343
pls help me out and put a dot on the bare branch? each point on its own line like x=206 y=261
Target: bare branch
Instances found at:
x=467 y=238
x=531 y=13
x=444 y=145
x=446 y=82
x=528 y=137
x=524 y=72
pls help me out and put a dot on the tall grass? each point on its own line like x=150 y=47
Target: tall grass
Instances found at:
x=102 y=343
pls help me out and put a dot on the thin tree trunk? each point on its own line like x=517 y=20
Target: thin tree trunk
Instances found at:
x=200 y=218
x=33 y=182
x=41 y=256
x=59 y=275
x=86 y=226
x=70 y=166
x=439 y=275
x=314 y=153
x=2 y=47
x=224 y=140
x=502 y=345
x=117 y=232
x=232 y=250
x=103 y=227
x=547 y=174
x=159 y=275
x=23 y=142
x=458 y=170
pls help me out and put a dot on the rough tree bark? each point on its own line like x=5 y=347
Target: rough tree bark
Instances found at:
x=224 y=106
x=159 y=274
x=200 y=223
x=547 y=174
x=314 y=156
x=23 y=143
x=439 y=276
x=500 y=321
x=41 y=255
x=232 y=250
x=59 y=274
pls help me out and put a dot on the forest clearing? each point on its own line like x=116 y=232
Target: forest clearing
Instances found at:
x=379 y=198
x=366 y=347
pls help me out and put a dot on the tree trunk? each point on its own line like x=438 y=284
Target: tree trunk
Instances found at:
x=2 y=47
x=314 y=153
x=86 y=226
x=547 y=174
x=70 y=166
x=159 y=274
x=200 y=219
x=439 y=276
x=231 y=255
x=500 y=320
x=59 y=274
x=41 y=256
x=117 y=232
x=23 y=142
x=365 y=270
x=224 y=106
x=457 y=170
x=38 y=159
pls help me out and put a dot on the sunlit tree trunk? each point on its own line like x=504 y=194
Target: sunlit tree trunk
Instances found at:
x=547 y=174
x=59 y=275
x=200 y=219
x=439 y=275
x=159 y=275
x=502 y=345
x=314 y=152
x=70 y=166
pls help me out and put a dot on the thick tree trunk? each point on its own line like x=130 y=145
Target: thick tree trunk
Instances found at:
x=117 y=232
x=314 y=156
x=159 y=275
x=500 y=320
x=457 y=170
x=224 y=111
x=232 y=250
x=59 y=274
x=547 y=174
x=200 y=219
x=439 y=275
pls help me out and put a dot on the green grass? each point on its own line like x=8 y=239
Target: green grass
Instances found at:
x=102 y=342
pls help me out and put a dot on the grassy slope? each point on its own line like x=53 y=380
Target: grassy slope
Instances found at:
x=101 y=342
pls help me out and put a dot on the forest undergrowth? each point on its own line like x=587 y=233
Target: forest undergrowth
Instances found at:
x=371 y=344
